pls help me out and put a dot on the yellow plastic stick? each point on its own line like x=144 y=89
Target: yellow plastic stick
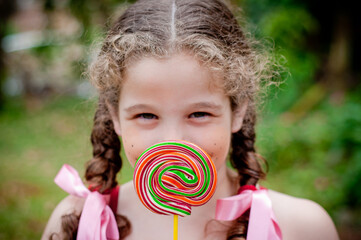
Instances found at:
x=175 y=228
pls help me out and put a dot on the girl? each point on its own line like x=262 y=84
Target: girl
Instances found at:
x=181 y=69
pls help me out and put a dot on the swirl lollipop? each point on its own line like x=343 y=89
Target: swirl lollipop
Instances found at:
x=170 y=177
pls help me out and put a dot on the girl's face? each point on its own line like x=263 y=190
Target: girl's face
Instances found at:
x=175 y=99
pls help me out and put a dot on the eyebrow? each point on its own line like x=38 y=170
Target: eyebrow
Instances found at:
x=207 y=105
x=137 y=107
x=203 y=105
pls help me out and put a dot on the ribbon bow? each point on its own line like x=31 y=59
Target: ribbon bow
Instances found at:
x=262 y=222
x=97 y=221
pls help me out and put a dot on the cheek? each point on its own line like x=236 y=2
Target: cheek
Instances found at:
x=221 y=150
x=132 y=149
x=217 y=146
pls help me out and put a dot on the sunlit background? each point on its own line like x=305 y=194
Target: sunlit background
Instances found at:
x=309 y=129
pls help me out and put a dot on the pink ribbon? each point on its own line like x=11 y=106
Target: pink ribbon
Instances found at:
x=97 y=221
x=262 y=223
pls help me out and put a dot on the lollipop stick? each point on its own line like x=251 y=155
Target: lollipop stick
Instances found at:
x=175 y=227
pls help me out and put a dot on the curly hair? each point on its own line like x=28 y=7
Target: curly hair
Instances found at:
x=159 y=28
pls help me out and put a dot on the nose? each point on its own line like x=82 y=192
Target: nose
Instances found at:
x=173 y=131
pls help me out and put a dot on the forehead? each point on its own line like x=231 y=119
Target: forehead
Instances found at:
x=179 y=79
x=177 y=67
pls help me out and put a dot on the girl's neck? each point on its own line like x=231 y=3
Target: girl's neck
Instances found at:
x=226 y=186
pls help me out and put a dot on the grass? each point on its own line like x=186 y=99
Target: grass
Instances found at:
x=36 y=139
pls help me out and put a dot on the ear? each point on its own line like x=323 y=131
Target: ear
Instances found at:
x=238 y=116
x=115 y=118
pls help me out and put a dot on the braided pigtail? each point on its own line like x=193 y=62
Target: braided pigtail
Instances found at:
x=69 y=226
x=101 y=169
x=243 y=156
x=244 y=160
x=106 y=162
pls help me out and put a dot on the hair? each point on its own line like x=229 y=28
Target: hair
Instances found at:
x=209 y=31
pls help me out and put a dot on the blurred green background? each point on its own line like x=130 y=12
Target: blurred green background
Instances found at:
x=309 y=129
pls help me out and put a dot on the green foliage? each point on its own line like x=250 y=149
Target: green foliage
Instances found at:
x=317 y=157
x=288 y=26
x=311 y=141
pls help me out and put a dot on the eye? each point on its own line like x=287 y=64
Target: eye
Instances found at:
x=146 y=116
x=199 y=115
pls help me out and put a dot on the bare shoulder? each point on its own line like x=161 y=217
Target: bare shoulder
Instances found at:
x=129 y=203
x=301 y=218
x=68 y=205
